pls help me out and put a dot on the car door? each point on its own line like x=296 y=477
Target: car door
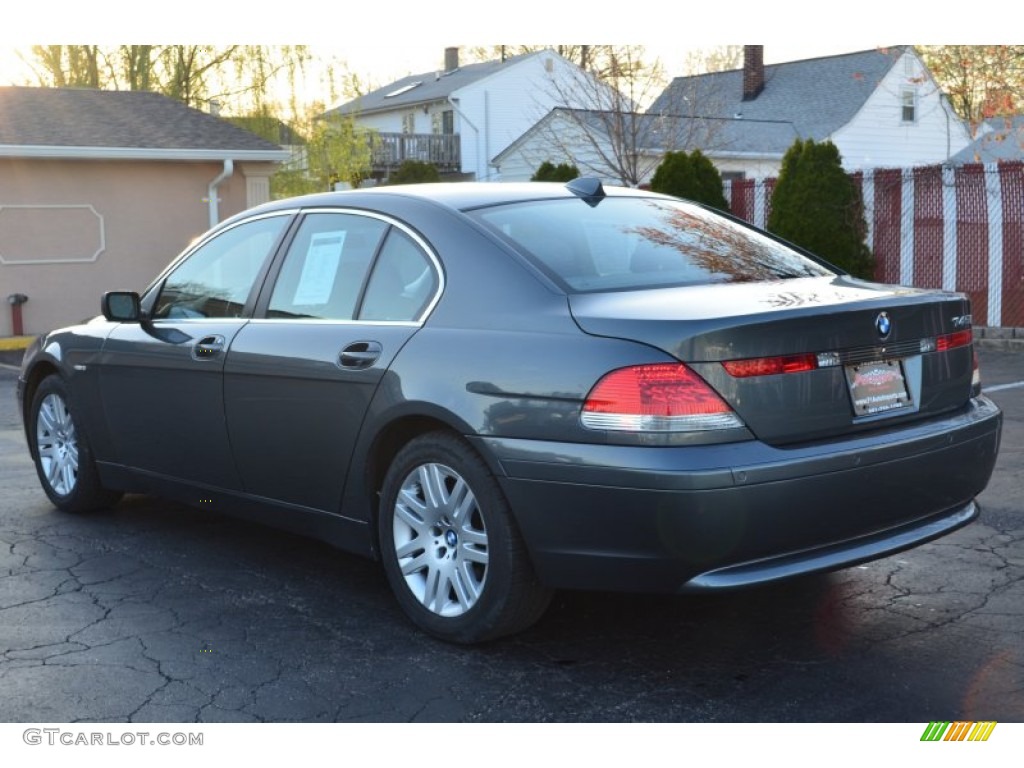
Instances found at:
x=162 y=380
x=350 y=291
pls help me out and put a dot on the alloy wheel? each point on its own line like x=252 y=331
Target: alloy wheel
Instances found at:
x=57 y=444
x=440 y=540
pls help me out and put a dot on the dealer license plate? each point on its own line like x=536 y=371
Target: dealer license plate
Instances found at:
x=877 y=387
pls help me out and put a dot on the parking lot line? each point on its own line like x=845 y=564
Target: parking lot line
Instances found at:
x=998 y=387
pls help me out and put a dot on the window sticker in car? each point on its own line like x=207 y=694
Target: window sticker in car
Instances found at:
x=319 y=268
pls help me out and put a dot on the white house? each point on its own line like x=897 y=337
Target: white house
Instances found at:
x=881 y=108
x=627 y=148
x=458 y=118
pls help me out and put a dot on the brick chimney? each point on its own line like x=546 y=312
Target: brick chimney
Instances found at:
x=451 y=59
x=753 y=71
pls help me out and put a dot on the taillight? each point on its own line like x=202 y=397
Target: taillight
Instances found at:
x=953 y=340
x=767 y=366
x=664 y=397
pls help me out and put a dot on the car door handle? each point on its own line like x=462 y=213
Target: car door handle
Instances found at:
x=208 y=347
x=361 y=354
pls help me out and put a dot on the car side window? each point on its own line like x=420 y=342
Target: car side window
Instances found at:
x=326 y=266
x=215 y=280
x=403 y=282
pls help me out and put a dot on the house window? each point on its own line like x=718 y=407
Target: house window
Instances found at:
x=448 y=122
x=909 y=107
x=409 y=122
x=733 y=175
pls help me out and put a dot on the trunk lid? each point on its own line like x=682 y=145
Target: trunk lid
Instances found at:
x=841 y=321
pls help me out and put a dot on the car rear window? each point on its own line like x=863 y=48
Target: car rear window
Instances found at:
x=630 y=243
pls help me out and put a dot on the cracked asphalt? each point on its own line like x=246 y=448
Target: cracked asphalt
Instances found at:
x=155 y=612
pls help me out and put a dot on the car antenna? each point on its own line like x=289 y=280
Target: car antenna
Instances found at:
x=587 y=188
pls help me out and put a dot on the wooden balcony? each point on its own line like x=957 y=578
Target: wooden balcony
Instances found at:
x=391 y=149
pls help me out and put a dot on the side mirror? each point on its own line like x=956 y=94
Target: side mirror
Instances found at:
x=121 y=306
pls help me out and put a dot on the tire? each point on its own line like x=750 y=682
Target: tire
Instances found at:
x=60 y=449
x=451 y=551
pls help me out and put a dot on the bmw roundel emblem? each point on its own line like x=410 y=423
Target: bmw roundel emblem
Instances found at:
x=883 y=325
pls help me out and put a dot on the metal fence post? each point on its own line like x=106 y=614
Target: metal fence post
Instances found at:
x=867 y=194
x=760 y=207
x=994 y=200
x=907 y=227
x=949 y=228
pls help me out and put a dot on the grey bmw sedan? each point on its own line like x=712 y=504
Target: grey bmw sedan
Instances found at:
x=500 y=390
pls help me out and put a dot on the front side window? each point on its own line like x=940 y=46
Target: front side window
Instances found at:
x=215 y=280
x=326 y=266
x=631 y=243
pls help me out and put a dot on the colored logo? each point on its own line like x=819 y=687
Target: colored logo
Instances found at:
x=959 y=731
x=883 y=325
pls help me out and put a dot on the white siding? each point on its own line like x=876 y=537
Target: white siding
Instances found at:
x=557 y=140
x=499 y=109
x=491 y=113
x=877 y=137
x=385 y=122
x=752 y=168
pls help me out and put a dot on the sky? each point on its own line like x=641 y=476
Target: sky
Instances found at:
x=382 y=65
x=397 y=37
x=382 y=41
x=379 y=66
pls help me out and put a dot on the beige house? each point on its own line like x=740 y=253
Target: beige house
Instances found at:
x=100 y=189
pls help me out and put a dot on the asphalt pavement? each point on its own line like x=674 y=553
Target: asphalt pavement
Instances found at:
x=156 y=612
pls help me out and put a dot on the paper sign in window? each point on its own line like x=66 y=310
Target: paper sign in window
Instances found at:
x=319 y=269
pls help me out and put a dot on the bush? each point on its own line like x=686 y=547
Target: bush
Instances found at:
x=817 y=206
x=415 y=172
x=691 y=176
x=561 y=172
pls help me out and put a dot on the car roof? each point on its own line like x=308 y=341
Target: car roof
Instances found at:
x=460 y=196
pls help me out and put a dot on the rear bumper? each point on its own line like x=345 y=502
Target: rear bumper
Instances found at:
x=724 y=516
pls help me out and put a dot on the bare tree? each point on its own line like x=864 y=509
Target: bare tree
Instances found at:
x=193 y=74
x=601 y=129
x=74 y=66
x=604 y=130
x=721 y=58
x=597 y=59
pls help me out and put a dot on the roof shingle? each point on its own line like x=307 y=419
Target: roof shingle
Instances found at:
x=78 y=117
x=424 y=88
x=818 y=96
x=1001 y=139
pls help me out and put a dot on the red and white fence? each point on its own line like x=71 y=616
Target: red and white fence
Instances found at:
x=936 y=227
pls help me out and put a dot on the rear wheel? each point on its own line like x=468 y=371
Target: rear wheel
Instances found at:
x=450 y=548
x=63 y=459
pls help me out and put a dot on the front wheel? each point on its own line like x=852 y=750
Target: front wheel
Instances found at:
x=61 y=451
x=452 y=554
